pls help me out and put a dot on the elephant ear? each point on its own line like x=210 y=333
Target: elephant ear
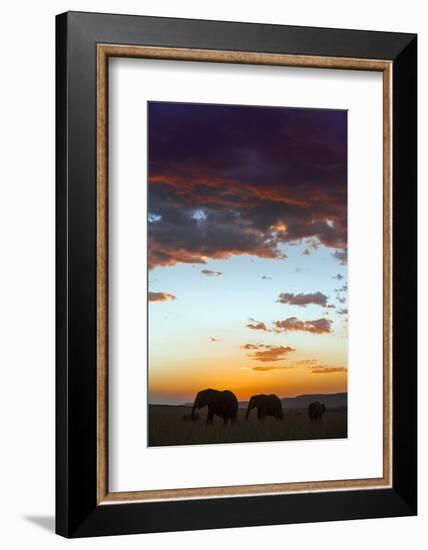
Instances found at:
x=209 y=396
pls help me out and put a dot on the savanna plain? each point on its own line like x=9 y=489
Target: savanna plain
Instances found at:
x=167 y=427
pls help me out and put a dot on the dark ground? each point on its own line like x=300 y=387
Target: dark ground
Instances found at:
x=166 y=427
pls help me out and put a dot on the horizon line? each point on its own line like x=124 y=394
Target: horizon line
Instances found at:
x=245 y=400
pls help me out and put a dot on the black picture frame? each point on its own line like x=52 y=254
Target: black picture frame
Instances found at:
x=77 y=511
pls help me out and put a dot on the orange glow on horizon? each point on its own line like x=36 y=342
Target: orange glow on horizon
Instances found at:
x=244 y=382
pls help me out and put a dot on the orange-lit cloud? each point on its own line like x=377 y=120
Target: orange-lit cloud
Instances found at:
x=328 y=370
x=176 y=236
x=159 y=255
x=317 y=326
x=302 y=300
x=257 y=325
x=161 y=296
x=267 y=369
x=268 y=352
x=251 y=346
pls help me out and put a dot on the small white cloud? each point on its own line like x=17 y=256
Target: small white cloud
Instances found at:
x=199 y=215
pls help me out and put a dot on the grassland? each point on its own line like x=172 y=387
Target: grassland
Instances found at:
x=167 y=427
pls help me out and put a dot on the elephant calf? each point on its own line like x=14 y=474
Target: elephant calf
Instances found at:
x=266 y=405
x=316 y=411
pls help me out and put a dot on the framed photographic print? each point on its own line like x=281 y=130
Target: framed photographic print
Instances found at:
x=236 y=274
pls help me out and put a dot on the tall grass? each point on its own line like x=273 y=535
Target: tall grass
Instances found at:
x=166 y=427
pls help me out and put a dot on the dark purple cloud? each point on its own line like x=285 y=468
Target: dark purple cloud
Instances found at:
x=227 y=180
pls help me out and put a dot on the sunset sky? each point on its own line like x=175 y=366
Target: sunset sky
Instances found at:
x=247 y=250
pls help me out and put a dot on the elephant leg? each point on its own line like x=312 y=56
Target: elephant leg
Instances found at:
x=210 y=418
x=226 y=420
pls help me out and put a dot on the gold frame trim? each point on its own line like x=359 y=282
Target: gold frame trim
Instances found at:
x=104 y=51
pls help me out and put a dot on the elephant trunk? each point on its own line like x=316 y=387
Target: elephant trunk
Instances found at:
x=248 y=411
x=194 y=408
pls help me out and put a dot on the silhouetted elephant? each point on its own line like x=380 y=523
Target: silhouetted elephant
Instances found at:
x=266 y=405
x=316 y=411
x=221 y=403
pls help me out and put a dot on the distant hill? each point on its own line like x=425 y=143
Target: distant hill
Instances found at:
x=332 y=400
x=329 y=400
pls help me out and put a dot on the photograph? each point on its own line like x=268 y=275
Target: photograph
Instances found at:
x=247 y=273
